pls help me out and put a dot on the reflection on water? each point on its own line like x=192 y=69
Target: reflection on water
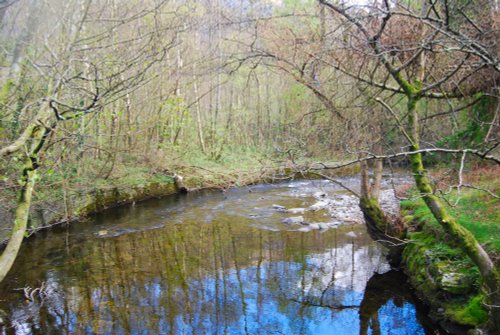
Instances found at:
x=207 y=264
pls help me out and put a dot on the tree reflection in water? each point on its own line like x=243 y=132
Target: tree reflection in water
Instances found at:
x=216 y=276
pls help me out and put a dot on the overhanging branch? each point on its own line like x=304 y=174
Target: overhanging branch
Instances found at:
x=371 y=156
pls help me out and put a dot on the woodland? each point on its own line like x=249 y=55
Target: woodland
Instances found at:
x=101 y=94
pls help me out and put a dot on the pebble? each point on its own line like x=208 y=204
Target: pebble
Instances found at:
x=351 y=234
x=297 y=210
x=319 y=195
x=319 y=205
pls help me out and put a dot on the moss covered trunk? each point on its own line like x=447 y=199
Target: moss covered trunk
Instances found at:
x=37 y=139
x=461 y=236
x=20 y=223
x=378 y=225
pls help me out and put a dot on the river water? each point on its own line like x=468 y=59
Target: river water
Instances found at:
x=211 y=263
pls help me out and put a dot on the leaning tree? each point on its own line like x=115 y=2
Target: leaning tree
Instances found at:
x=75 y=57
x=425 y=50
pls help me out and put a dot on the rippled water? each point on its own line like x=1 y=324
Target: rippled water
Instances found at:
x=208 y=263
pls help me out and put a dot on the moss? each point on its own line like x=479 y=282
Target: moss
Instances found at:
x=442 y=274
x=471 y=313
x=371 y=208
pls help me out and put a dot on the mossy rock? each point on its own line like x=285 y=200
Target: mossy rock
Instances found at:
x=456 y=283
x=445 y=278
x=469 y=312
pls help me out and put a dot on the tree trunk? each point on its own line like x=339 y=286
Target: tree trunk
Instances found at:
x=378 y=226
x=461 y=236
x=28 y=179
x=378 y=169
x=199 y=126
x=20 y=224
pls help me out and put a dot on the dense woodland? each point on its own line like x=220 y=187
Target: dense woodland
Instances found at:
x=100 y=93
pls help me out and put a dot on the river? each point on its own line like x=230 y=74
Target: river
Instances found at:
x=212 y=263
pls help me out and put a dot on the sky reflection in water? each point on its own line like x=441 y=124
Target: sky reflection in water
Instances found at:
x=222 y=275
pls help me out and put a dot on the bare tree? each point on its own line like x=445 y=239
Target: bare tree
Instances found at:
x=444 y=53
x=83 y=69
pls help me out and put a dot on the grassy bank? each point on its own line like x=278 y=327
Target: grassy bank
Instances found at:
x=442 y=273
x=68 y=193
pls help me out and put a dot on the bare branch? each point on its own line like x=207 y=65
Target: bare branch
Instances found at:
x=371 y=156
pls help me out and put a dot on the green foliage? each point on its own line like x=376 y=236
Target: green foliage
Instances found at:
x=295 y=95
x=5 y=91
x=4 y=95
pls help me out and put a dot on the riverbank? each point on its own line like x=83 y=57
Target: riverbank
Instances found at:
x=72 y=193
x=59 y=199
x=440 y=272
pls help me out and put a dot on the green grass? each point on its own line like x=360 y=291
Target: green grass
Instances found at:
x=480 y=214
x=476 y=211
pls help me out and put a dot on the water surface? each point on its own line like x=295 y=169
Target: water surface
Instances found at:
x=208 y=263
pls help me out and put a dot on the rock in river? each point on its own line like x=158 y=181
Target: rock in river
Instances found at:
x=296 y=210
x=294 y=220
x=318 y=205
x=279 y=208
x=323 y=226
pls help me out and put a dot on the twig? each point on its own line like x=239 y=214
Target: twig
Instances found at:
x=336 y=182
x=398 y=121
x=460 y=177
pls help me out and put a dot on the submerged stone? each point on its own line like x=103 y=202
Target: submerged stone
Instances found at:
x=351 y=234
x=323 y=226
x=279 y=207
x=320 y=195
x=293 y=220
x=314 y=226
x=333 y=224
x=318 y=205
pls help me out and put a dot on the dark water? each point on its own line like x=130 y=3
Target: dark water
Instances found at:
x=209 y=263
